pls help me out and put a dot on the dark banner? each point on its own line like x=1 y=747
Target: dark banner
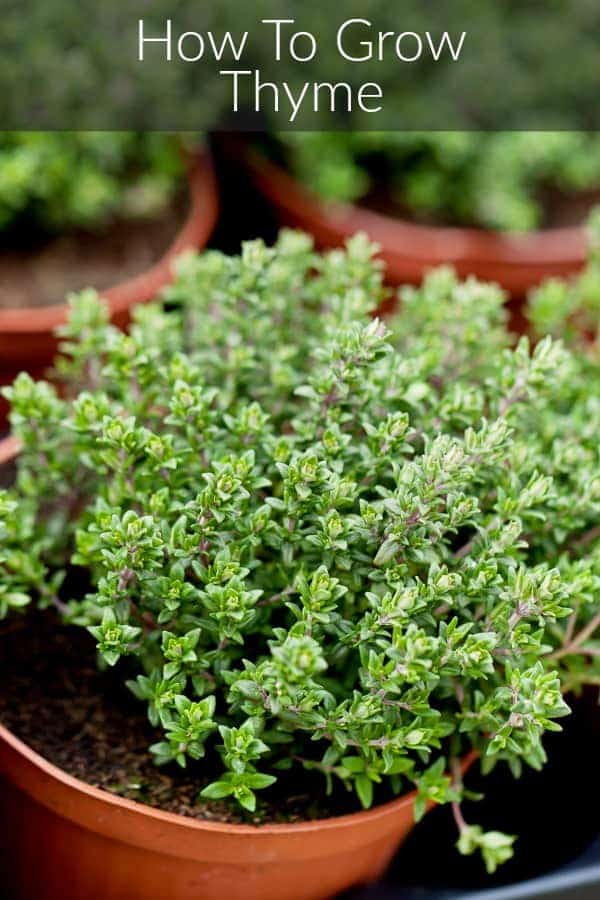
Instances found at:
x=300 y=64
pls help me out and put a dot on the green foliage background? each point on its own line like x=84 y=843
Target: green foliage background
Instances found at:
x=527 y=65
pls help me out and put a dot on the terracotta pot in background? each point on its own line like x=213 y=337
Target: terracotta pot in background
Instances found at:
x=26 y=335
x=515 y=261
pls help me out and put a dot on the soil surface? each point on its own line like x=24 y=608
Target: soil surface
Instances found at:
x=42 y=275
x=86 y=722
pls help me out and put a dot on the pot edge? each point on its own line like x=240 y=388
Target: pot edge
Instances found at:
x=562 y=245
x=54 y=772
x=194 y=230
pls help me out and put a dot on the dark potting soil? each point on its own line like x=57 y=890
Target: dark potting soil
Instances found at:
x=55 y=699
x=43 y=274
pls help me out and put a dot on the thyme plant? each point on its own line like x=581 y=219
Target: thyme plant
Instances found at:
x=324 y=542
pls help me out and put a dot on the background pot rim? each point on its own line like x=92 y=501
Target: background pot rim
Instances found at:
x=193 y=232
x=417 y=242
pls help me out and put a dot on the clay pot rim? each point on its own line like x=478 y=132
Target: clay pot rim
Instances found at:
x=416 y=241
x=193 y=232
x=141 y=811
x=55 y=773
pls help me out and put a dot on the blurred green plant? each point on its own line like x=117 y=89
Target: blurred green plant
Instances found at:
x=52 y=181
x=74 y=65
x=495 y=179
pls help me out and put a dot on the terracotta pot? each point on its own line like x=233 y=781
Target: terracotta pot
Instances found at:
x=515 y=261
x=27 y=335
x=58 y=831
